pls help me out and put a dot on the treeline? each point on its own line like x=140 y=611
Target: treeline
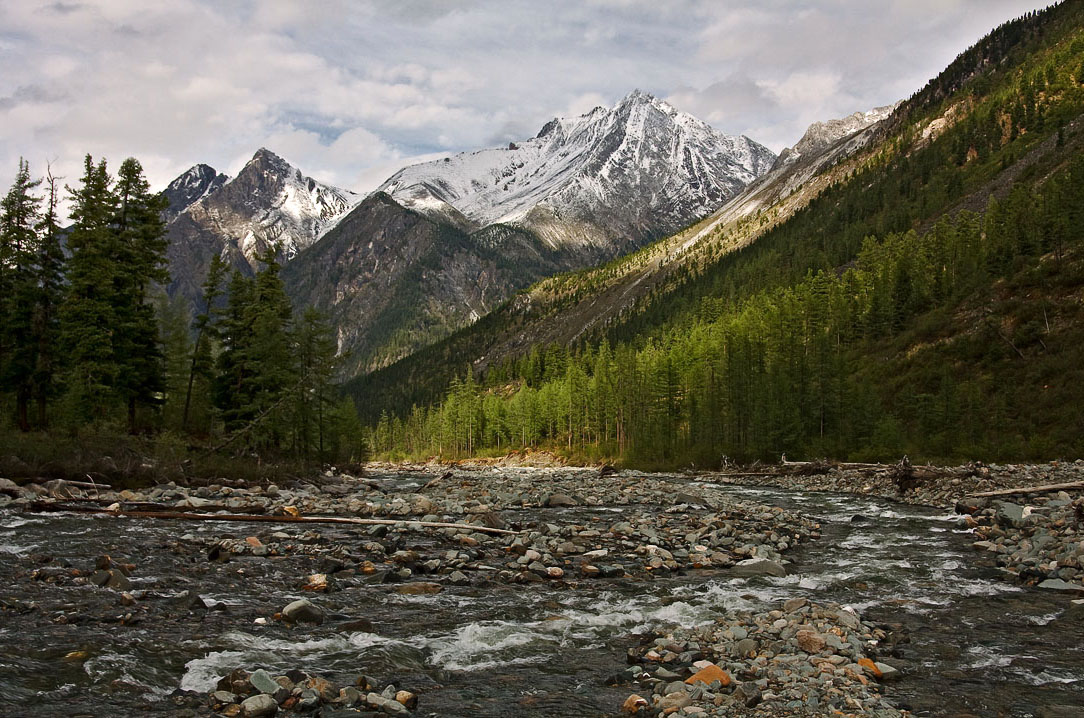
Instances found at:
x=88 y=339
x=797 y=369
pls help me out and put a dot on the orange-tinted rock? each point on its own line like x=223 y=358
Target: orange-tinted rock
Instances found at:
x=633 y=704
x=709 y=674
x=810 y=641
x=870 y=666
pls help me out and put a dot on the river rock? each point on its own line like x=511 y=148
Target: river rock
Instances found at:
x=810 y=641
x=419 y=588
x=559 y=500
x=303 y=611
x=708 y=675
x=259 y=706
x=262 y=681
x=1056 y=584
x=794 y=604
x=758 y=567
x=1009 y=514
x=748 y=694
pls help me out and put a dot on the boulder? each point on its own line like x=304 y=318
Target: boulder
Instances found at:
x=259 y=706
x=303 y=611
x=559 y=500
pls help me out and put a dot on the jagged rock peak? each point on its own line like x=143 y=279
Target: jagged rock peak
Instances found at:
x=820 y=135
x=190 y=186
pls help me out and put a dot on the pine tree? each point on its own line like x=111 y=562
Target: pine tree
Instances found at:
x=201 y=365
x=142 y=256
x=50 y=294
x=316 y=357
x=88 y=317
x=20 y=212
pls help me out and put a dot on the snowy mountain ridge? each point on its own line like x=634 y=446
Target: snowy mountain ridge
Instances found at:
x=642 y=165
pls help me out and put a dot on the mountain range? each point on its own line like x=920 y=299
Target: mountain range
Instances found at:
x=442 y=243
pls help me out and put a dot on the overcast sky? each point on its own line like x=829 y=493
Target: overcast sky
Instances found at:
x=350 y=91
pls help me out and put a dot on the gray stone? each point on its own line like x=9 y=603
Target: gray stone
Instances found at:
x=888 y=673
x=557 y=500
x=758 y=567
x=262 y=681
x=748 y=693
x=746 y=646
x=1056 y=584
x=224 y=697
x=302 y=610
x=259 y=706
x=1009 y=514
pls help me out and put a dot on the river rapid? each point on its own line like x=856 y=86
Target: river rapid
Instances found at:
x=980 y=645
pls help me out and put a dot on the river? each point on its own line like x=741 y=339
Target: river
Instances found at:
x=980 y=646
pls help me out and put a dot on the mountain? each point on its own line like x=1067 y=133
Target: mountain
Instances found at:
x=269 y=202
x=623 y=175
x=195 y=184
x=911 y=287
x=563 y=309
x=443 y=243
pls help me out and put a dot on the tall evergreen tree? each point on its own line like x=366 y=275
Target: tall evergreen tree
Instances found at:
x=141 y=245
x=88 y=316
x=202 y=363
x=50 y=294
x=20 y=212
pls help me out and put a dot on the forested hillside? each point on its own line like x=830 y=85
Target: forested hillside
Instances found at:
x=929 y=303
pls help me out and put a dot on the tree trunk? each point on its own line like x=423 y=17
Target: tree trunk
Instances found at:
x=22 y=409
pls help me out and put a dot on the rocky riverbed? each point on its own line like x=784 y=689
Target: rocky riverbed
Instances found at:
x=605 y=588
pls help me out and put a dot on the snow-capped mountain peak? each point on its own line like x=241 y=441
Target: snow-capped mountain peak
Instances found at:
x=274 y=202
x=637 y=170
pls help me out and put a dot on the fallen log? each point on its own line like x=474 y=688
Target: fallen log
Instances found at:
x=1045 y=489
x=186 y=516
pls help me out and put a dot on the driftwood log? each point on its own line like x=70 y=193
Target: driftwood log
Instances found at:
x=1045 y=489
x=43 y=506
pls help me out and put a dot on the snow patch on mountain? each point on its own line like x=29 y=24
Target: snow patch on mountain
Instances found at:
x=643 y=159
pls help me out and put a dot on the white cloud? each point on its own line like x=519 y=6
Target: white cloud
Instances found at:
x=350 y=91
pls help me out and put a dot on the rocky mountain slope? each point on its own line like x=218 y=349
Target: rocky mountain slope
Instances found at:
x=269 y=202
x=561 y=309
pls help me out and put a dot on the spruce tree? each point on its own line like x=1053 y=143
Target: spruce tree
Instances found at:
x=88 y=316
x=50 y=267
x=141 y=245
x=20 y=211
x=202 y=363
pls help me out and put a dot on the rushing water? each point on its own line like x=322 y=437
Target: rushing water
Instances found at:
x=979 y=646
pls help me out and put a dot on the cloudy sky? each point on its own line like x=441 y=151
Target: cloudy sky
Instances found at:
x=350 y=90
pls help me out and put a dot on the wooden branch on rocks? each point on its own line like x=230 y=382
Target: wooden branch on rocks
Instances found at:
x=186 y=516
x=1045 y=489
